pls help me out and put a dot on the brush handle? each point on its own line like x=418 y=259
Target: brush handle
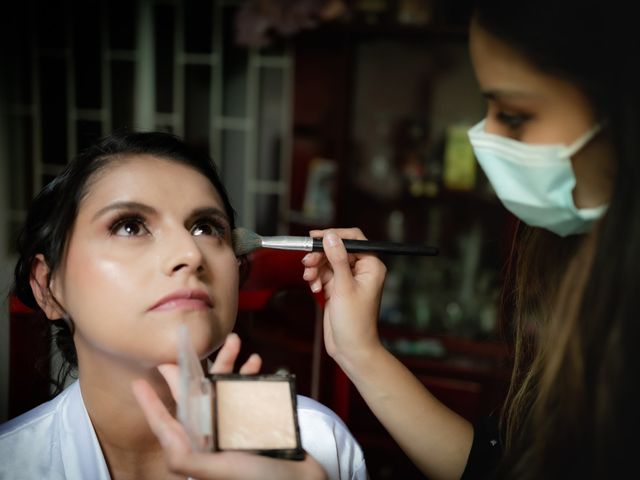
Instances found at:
x=368 y=246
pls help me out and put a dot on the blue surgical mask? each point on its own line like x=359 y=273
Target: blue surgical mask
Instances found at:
x=535 y=182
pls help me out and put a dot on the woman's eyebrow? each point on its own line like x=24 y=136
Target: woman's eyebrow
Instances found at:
x=124 y=206
x=209 y=212
x=506 y=94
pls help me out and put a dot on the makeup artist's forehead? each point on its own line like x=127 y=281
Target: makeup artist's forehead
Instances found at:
x=500 y=66
x=149 y=178
x=504 y=73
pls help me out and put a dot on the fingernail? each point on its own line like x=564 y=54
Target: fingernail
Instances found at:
x=306 y=258
x=332 y=239
x=254 y=356
x=305 y=274
x=316 y=287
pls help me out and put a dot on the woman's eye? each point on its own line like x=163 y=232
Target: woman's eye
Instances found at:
x=512 y=120
x=131 y=227
x=208 y=227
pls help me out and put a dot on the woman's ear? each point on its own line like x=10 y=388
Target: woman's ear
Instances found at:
x=40 y=286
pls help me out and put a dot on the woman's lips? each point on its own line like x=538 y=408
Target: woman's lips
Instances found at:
x=183 y=299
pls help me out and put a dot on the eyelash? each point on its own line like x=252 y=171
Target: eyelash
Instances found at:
x=126 y=219
x=512 y=120
x=218 y=227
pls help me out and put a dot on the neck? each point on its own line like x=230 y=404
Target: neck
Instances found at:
x=130 y=448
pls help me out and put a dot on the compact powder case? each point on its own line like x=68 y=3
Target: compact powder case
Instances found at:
x=256 y=413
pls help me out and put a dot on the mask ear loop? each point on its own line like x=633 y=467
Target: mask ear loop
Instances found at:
x=585 y=138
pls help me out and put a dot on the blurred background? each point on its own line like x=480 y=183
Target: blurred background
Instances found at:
x=318 y=113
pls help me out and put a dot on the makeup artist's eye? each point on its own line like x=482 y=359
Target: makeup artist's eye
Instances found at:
x=512 y=120
x=210 y=226
x=129 y=227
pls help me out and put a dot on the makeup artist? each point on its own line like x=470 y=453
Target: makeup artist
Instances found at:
x=118 y=258
x=560 y=144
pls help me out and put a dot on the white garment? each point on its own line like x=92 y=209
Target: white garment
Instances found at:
x=56 y=440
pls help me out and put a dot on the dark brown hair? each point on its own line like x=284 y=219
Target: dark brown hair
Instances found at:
x=573 y=412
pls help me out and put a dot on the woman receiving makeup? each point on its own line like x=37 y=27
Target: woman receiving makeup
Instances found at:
x=129 y=243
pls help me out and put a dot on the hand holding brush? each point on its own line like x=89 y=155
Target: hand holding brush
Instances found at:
x=245 y=241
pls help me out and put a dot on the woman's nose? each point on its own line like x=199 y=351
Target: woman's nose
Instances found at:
x=182 y=253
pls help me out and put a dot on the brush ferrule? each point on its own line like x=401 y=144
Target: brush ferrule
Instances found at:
x=288 y=243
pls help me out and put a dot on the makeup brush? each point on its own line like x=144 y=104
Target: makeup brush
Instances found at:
x=246 y=241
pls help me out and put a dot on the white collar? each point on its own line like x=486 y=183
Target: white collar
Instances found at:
x=82 y=456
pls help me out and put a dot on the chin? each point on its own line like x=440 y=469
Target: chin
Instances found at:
x=207 y=336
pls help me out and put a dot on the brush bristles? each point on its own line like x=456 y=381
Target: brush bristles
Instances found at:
x=245 y=241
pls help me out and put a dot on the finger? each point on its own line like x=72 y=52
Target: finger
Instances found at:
x=346 y=233
x=358 y=263
x=320 y=259
x=227 y=355
x=252 y=366
x=317 y=233
x=313 y=274
x=310 y=274
x=313 y=270
x=313 y=259
x=319 y=278
x=316 y=285
x=171 y=374
x=339 y=259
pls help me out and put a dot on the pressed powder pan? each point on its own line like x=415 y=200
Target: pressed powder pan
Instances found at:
x=256 y=413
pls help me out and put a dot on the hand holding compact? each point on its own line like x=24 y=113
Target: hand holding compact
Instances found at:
x=183 y=460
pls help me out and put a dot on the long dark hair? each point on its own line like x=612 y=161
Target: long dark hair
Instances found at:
x=579 y=415
x=53 y=212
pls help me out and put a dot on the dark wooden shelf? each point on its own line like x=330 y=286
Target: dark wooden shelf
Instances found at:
x=395 y=30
